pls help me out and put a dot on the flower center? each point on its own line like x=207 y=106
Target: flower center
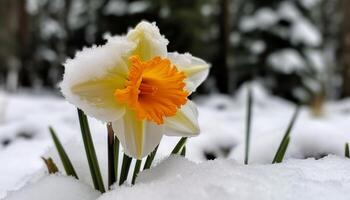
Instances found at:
x=154 y=89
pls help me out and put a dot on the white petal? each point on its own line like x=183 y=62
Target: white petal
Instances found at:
x=138 y=138
x=91 y=78
x=184 y=123
x=195 y=68
x=148 y=41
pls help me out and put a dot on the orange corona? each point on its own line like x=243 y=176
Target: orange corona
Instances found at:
x=155 y=89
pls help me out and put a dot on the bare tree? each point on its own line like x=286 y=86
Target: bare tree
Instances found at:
x=220 y=69
x=345 y=48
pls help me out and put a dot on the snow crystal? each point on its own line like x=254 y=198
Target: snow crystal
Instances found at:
x=178 y=178
x=286 y=61
x=55 y=187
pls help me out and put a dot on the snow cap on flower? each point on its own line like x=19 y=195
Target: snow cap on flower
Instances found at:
x=133 y=82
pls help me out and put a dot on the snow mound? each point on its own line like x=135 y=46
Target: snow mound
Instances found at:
x=178 y=178
x=55 y=187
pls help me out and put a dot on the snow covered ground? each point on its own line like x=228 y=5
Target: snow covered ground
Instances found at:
x=180 y=179
x=24 y=137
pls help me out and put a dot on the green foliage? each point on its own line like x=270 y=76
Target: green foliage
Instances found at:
x=183 y=151
x=150 y=158
x=248 y=124
x=67 y=164
x=125 y=169
x=286 y=138
x=90 y=152
x=136 y=170
x=179 y=146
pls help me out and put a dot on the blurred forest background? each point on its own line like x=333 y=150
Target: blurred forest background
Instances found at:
x=299 y=49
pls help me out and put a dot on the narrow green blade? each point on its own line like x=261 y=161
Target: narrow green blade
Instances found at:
x=125 y=169
x=136 y=171
x=150 y=158
x=116 y=157
x=284 y=143
x=50 y=165
x=183 y=151
x=347 y=151
x=179 y=145
x=284 y=146
x=67 y=164
x=110 y=152
x=248 y=124
x=90 y=152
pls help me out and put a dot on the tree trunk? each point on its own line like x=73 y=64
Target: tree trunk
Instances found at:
x=221 y=71
x=345 y=48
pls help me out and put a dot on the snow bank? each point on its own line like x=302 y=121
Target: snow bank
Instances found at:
x=24 y=136
x=55 y=187
x=177 y=178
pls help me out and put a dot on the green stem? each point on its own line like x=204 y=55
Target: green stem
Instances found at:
x=183 y=151
x=248 y=124
x=67 y=164
x=116 y=157
x=110 y=149
x=347 y=151
x=125 y=169
x=179 y=145
x=136 y=170
x=286 y=138
x=150 y=158
x=90 y=152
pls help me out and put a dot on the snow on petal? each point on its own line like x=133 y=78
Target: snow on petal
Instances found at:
x=90 y=77
x=138 y=137
x=195 y=68
x=148 y=41
x=184 y=123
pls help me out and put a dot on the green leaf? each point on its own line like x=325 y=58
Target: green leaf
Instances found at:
x=285 y=140
x=67 y=164
x=248 y=124
x=50 y=165
x=183 y=151
x=90 y=152
x=179 y=145
x=136 y=171
x=283 y=149
x=347 y=151
x=111 y=155
x=150 y=158
x=116 y=157
x=125 y=169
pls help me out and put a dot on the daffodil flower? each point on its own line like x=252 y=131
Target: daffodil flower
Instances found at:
x=133 y=82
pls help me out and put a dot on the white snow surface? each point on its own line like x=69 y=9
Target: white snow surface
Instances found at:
x=55 y=187
x=24 y=136
x=178 y=178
